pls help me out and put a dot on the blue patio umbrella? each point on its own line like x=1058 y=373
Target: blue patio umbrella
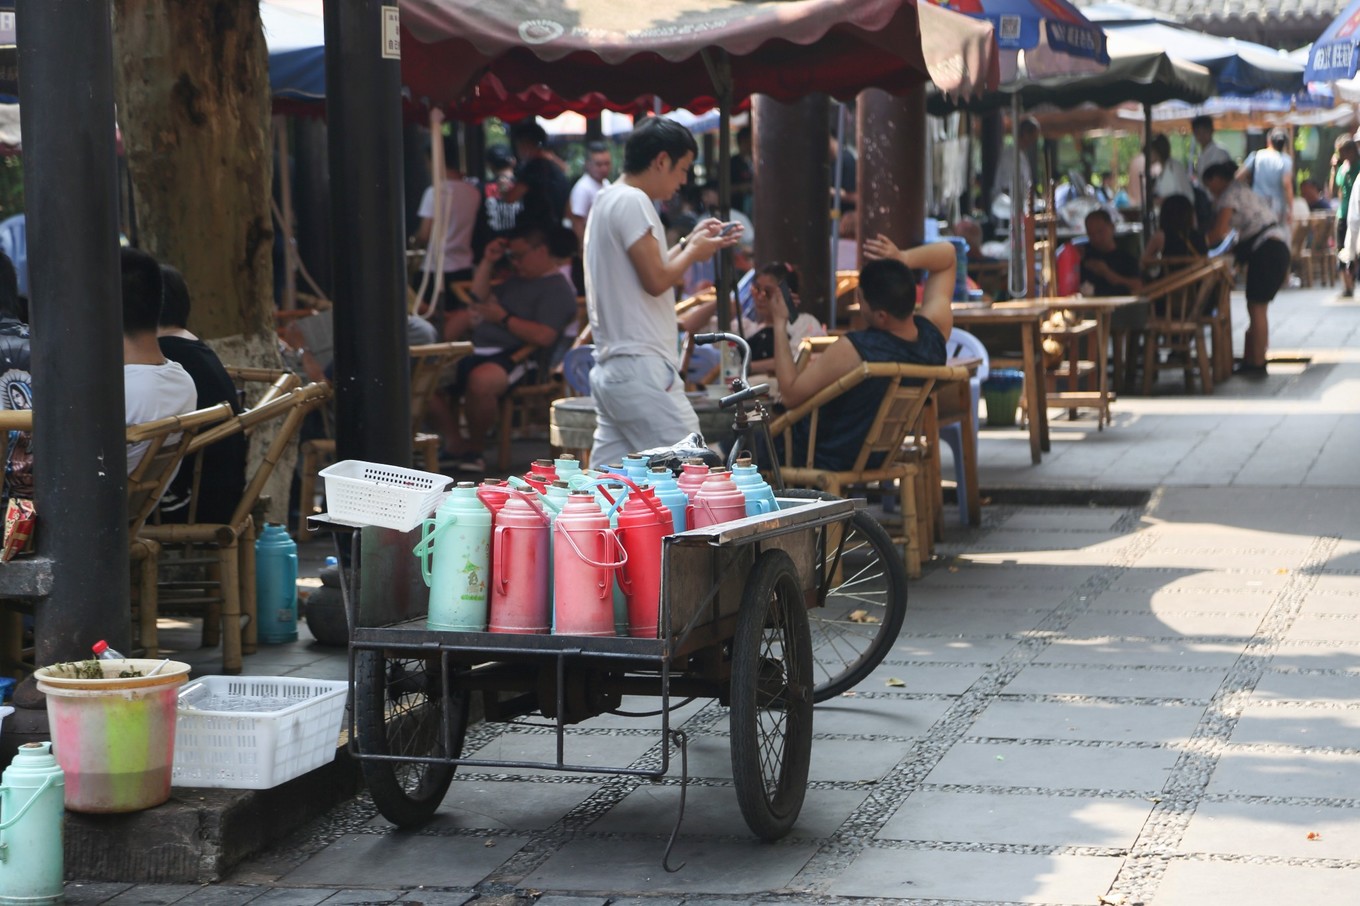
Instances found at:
x=296 y=37
x=1240 y=68
x=1038 y=39
x=1336 y=55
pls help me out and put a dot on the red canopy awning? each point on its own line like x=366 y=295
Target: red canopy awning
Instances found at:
x=620 y=50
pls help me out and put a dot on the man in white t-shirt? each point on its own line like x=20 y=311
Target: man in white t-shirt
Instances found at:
x=630 y=279
x=583 y=194
x=153 y=386
x=459 y=204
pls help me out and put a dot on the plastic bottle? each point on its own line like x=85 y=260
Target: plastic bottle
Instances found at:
x=458 y=539
x=670 y=495
x=276 y=571
x=583 y=577
x=692 y=475
x=719 y=500
x=31 y=813
x=519 y=600
x=760 y=497
x=102 y=651
x=635 y=466
x=643 y=524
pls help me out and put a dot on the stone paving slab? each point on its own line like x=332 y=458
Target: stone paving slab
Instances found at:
x=1142 y=770
x=1141 y=652
x=1030 y=820
x=1097 y=721
x=1273 y=829
x=1197 y=883
x=1164 y=625
x=930 y=679
x=1116 y=682
x=382 y=860
x=653 y=809
x=503 y=805
x=727 y=867
x=1171 y=601
x=1340 y=689
x=1284 y=773
x=1298 y=725
x=980 y=876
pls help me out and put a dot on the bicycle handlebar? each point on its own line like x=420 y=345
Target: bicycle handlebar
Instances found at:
x=704 y=339
x=727 y=402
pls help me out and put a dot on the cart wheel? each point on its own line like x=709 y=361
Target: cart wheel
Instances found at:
x=398 y=710
x=857 y=624
x=771 y=697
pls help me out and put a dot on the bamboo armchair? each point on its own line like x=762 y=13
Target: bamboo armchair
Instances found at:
x=1182 y=305
x=897 y=433
x=228 y=549
x=168 y=442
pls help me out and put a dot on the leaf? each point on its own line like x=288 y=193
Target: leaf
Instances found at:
x=895 y=682
x=1314 y=835
x=862 y=616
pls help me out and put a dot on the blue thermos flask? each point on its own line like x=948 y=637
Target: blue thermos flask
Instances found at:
x=276 y=572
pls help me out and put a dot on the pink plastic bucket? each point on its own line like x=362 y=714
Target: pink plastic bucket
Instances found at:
x=115 y=737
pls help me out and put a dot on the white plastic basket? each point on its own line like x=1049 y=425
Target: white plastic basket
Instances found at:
x=234 y=747
x=372 y=493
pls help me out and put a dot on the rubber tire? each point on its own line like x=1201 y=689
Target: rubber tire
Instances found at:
x=773 y=594
x=835 y=675
x=405 y=793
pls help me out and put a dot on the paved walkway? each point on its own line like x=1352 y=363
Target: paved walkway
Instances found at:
x=1150 y=704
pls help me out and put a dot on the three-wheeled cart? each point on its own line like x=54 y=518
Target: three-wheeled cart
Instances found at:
x=733 y=626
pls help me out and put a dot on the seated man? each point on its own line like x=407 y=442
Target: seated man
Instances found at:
x=1106 y=270
x=224 y=463
x=153 y=386
x=896 y=333
x=971 y=231
x=531 y=307
x=16 y=382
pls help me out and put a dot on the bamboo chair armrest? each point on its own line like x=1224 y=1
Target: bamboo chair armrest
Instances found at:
x=16 y=419
x=449 y=350
x=190 y=421
x=193 y=533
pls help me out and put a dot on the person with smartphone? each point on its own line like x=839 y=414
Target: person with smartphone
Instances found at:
x=775 y=285
x=639 y=392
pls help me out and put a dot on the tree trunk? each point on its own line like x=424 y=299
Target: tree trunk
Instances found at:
x=192 y=85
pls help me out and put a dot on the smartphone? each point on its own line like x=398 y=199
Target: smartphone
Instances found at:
x=788 y=300
x=728 y=228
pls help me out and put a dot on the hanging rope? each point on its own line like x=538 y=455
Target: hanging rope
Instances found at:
x=439 y=223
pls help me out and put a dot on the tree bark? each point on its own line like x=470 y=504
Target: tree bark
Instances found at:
x=192 y=84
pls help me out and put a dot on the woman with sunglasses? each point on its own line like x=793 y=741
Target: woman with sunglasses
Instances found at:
x=760 y=330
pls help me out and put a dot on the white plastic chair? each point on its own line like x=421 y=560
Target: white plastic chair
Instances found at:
x=576 y=365
x=962 y=344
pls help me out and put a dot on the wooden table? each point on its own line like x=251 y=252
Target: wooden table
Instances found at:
x=1026 y=318
x=1102 y=309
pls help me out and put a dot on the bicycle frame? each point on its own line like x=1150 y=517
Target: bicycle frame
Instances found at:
x=751 y=416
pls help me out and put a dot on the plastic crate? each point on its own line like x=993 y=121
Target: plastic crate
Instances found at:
x=265 y=730
x=370 y=493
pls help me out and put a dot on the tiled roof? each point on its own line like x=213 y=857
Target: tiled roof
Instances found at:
x=1276 y=23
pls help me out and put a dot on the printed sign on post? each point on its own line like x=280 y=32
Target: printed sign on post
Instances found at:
x=391 y=49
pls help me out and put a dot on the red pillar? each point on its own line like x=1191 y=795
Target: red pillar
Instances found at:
x=793 y=194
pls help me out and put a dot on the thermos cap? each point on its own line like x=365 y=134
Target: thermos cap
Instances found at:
x=466 y=484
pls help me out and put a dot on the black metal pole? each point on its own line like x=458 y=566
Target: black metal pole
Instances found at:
x=71 y=198
x=363 y=105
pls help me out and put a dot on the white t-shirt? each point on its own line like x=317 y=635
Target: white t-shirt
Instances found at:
x=583 y=195
x=151 y=392
x=1174 y=180
x=625 y=319
x=461 y=203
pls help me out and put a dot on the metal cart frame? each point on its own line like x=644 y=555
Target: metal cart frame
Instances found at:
x=733 y=618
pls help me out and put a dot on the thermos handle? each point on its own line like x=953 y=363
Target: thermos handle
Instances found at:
x=424 y=548
x=763 y=506
x=610 y=533
x=530 y=499
x=612 y=478
x=499 y=573
x=23 y=809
